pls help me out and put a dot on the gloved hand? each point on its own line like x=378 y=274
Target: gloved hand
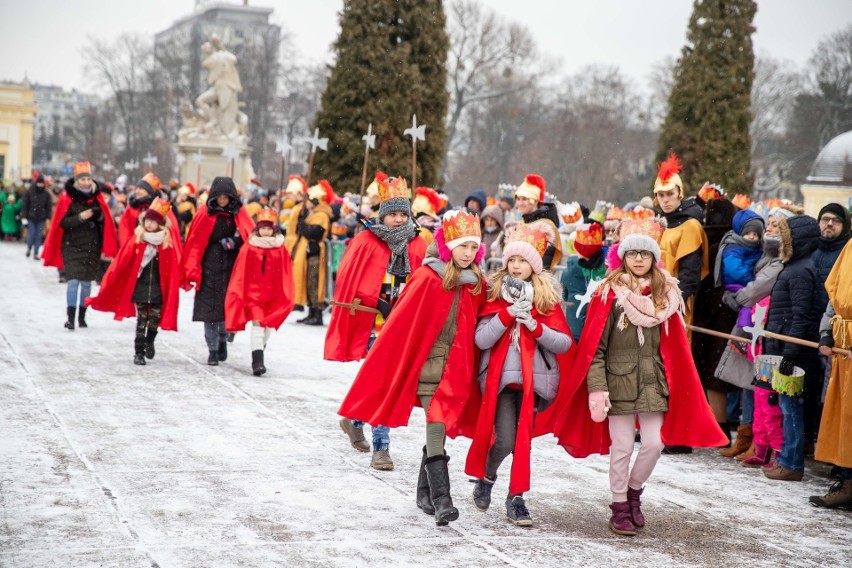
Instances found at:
x=513 y=288
x=599 y=405
x=729 y=299
x=773 y=399
x=384 y=307
x=527 y=319
x=228 y=243
x=786 y=367
x=520 y=307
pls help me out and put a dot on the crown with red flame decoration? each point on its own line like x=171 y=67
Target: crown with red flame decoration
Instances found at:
x=459 y=227
x=589 y=239
x=741 y=201
x=667 y=175
x=710 y=191
x=426 y=201
x=532 y=188
x=639 y=213
x=82 y=169
x=393 y=188
x=158 y=210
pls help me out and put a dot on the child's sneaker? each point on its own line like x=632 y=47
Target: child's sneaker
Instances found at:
x=516 y=511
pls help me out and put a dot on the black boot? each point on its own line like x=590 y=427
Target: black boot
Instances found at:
x=308 y=317
x=424 y=500
x=81 y=318
x=257 y=362
x=213 y=358
x=315 y=318
x=223 y=351
x=139 y=347
x=149 y=343
x=482 y=492
x=70 y=323
x=439 y=489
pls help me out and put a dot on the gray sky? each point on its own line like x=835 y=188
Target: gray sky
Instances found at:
x=43 y=37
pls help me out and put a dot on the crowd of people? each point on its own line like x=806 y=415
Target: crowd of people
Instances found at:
x=506 y=318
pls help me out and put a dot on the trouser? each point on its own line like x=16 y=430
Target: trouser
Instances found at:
x=436 y=432
x=214 y=334
x=506 y=418
x=768 y=425
x=75 y=287
x=622 y=431
x=147 y=319
x=381 y=434
x=313 y=282
x=259 y=336
x=35 y=232
x=747 y=405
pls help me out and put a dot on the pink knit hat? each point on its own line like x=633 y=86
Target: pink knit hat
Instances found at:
x=527 y=243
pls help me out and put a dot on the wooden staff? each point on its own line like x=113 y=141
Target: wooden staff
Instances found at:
x=355 y=305
x=778 y=336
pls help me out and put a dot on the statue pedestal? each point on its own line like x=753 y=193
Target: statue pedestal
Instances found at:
x=212 y=163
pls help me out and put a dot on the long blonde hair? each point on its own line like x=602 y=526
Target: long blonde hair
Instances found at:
x=545 y=292
x=659 y=284
x=453 y=274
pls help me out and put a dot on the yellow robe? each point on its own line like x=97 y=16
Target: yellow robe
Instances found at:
x=834 y=444
x=298 y=247
x=676 y=244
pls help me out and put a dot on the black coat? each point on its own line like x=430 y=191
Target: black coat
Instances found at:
x=824 y=258
x=82 y=240
x=147 y=290
x=792 y=305
x=216 y=268
x=36 y=204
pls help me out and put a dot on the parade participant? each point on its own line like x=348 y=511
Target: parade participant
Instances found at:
x=144 y=280
x=295 y=191
x=492 y=231
x=308 y=250
x=476 y=202
x=10 y=218
x=216 y=234
x=147 y=189
x=424 y=209
x=375 y=268
x=261 y=287
x=529 y=202
x=425 y=356
x=834 y=445
x=580 y=273
x=636 y=363
x=81 y=232
x=184 y=207
x=36 y=208
x=525 y=339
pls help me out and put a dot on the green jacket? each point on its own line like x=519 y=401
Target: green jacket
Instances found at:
x=8 y=223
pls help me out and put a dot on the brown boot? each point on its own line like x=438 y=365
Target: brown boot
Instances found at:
x=783 y=474
x=741 y=444
x=749 y=453
x=839 y=495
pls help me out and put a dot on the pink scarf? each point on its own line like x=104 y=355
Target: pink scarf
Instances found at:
x=639 y=309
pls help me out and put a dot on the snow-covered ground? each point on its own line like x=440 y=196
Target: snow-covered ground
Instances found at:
x=103 y=463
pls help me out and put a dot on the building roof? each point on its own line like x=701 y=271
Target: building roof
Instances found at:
x=833 y=165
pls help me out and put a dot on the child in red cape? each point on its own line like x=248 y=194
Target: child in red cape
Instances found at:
x=143 y=281
x=525 y=340
x=261 y=287
x=637 y=365
x=147 y=189
x=425 y=356
x=375 y=268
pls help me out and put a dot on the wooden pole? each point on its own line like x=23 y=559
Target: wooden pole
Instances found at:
x=771 y=335
x=310 y=167
x=364 y=172
x=198 y=177
x=281 y=177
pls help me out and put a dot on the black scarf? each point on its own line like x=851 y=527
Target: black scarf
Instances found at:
x=397 y=240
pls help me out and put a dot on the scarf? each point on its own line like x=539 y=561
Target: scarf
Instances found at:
x=152 y=240
x=440 y=267
x=397 y=239
x=639 y=308
x=274 y=241
x=526 y=294
x=730 y=239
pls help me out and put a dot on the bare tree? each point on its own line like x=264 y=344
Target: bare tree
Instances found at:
x=773 y=94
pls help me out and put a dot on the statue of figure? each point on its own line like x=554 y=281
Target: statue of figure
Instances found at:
x=219 y=102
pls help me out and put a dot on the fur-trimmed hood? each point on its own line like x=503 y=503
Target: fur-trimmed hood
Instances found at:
x=799 y=236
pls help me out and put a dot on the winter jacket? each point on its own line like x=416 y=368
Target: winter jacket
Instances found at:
x=479 y=196
x=216 y=267
x=824 y=258
x=82 y=240
x=147 y=290
x=632 y=373
x=9 y=222
x=575 y=282
x=37 y=204
x=433 y=368
x=792 y=306
x=689 y=269
x=545 y=366
x=488 y=239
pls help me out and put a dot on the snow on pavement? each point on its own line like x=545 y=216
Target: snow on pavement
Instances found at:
x=177 y=464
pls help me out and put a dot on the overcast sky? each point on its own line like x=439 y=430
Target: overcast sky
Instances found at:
x=43 y=38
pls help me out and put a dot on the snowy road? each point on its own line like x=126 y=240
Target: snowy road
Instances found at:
x=103 y=463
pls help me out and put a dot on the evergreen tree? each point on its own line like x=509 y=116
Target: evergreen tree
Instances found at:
x=391 y=63
x=707 y=124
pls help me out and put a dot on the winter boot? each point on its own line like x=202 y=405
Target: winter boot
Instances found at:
x=424 y=500
x=482 y=492
x=748 y=454
x=634 y=502
x=356 y=435
x=677 y=450
x=761 y=457
x=620 y=522
x=516 y=511
x=741 y=444
x=439 y=489
x=223 y=351
x=139 y=351
x=149 y=343
x=381 y=460
x=70 y=323
x=81 y=318
x=772 y=462
x=29 y=251
x=839 y=495
x=315 y=318
x=213 y=358
x=308 y=317
x=257 y=362
x=780 y=473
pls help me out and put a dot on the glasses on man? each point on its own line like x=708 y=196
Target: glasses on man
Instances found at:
x=829 y=220
x=643 y=254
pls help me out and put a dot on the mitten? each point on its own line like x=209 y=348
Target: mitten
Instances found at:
x=520 y=307
x=513 y=288
x=786 y=367
x=527 y=319
x=227 y=243
x=24 y=222
x=599 y=405
x=730 y=300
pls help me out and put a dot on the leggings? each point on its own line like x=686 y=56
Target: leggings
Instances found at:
x=505 y=429
x=147 y=319
x=436 y=432
x=83 y=287
x=623 y=433
x=259 y=336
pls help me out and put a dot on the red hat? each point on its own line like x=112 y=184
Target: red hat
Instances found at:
x=532 y=188
x=589 y=239
x=158 y=211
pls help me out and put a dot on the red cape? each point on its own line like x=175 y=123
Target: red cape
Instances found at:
x=198 y=239
x=117 y=285
x=261 y=288
x=385 y=389
x=689 y=421
x=52 y=254
x=360 y=275
x=130 y=219
x=529 y=424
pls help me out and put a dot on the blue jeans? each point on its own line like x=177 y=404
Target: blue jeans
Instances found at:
x=732 y=406
x=793 y=453
x=747 y=402
x=83 y=287
x=35 y=230
x=214 y=334
x=381 y=434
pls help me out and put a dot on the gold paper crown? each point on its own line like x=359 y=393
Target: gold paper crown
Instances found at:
x=741 y=201
x=459 y=224
x=392 y=188
x=267 y=215
x=640 y=212
x=373 y=188
x=81 y=168
x=160 y=207
x=650 y=227
x=152 y=180
x=710 y=191
x=527 y=234
x=591 y=234
x=571 y=213
x=616 y=214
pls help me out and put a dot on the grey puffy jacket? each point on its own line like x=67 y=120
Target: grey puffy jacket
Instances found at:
x=545 y=366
